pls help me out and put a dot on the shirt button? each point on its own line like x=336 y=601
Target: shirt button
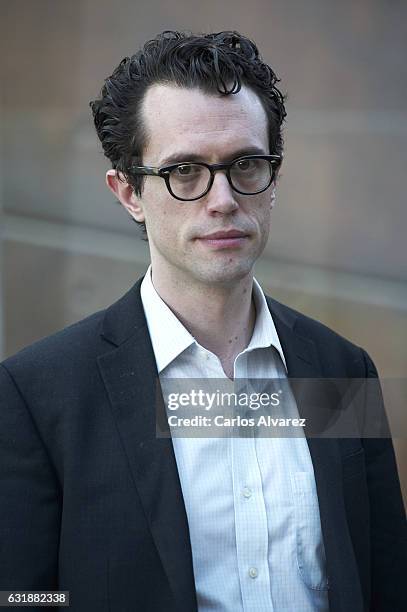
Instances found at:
x=253 y=572
x=247 y=492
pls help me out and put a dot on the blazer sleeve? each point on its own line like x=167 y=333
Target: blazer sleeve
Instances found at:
x=30 y=499
x=388 y=525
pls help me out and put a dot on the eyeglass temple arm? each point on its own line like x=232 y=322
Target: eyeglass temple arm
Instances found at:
x=149 y=170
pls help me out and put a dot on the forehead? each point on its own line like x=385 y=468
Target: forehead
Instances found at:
x=179 y=119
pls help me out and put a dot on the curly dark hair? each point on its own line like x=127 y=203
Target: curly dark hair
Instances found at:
x=215 y=63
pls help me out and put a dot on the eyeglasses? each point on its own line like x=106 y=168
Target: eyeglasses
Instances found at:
x=189 y=181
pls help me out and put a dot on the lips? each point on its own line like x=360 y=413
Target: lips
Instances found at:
x=224 y=235
x=227 y=239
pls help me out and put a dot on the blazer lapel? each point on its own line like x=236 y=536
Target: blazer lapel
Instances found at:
x=303 y=362
x=130 y=376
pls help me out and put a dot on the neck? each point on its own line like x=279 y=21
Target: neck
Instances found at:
x=221 y=317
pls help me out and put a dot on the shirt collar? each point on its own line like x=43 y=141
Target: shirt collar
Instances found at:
x=264 y=333
x=170 y=338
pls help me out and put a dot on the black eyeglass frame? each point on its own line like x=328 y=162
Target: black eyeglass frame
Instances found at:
x=164 y=172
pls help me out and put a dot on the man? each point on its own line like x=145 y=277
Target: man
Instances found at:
x=93 y=501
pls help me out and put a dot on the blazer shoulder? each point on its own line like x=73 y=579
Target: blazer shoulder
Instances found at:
x=72 y=342
x=330 y=344
x=75 y=348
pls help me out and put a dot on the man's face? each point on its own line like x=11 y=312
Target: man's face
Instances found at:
x=189 y=125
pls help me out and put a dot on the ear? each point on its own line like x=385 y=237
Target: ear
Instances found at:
x=124 y=192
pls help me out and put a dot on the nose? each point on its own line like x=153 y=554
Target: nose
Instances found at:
x=221 y=197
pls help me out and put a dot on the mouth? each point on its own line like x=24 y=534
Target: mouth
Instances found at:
x=224 y=239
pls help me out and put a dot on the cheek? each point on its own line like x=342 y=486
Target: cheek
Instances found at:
x=164 y=221
x=154 y=207
x=263 y=220
x=261 y=213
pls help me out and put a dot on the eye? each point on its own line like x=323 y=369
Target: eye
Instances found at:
x=184 y=170
x=188 y=170
x=245 y=165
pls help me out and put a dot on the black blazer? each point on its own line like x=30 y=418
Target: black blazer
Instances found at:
x=91 y=500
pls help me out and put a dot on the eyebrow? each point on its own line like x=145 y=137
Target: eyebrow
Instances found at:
x=185 y=156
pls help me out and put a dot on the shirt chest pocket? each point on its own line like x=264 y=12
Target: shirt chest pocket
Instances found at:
x=308 y=536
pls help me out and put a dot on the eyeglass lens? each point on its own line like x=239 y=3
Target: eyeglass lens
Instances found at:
x=247 y=176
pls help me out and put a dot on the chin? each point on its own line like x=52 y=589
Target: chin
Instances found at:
x=223 y=272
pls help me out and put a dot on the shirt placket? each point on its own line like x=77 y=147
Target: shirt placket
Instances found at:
x=250 y=516
x=251 y=527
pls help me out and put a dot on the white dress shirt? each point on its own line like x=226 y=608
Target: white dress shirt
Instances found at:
x=251 y=503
